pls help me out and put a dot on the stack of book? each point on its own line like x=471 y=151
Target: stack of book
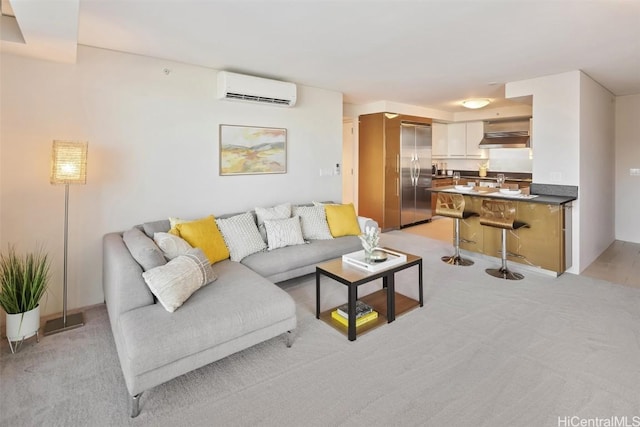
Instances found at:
x=364 y=313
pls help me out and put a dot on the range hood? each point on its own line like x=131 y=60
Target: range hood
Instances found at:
x=512 y=133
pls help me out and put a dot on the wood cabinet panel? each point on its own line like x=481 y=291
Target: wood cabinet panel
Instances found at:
x=392 y=174
x=371 y=179
x=379 y=167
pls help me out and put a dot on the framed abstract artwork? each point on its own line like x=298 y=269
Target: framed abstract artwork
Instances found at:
x=248 y=150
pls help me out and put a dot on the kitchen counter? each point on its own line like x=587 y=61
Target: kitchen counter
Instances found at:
x=545 y=243
x=495 y=193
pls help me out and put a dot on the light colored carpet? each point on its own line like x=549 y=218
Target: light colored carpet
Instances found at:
x=481 y=352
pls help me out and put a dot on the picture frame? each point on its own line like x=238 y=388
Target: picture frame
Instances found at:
x=252 y=150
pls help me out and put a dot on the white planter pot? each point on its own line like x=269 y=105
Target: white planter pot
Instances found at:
x=23 y=325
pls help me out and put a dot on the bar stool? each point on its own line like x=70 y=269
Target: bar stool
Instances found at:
x=452 y=205
x=501 y=214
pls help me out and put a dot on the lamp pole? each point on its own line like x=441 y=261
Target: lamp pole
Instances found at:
x=64 y=155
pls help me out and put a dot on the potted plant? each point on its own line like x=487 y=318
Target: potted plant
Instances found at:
x=23 y=282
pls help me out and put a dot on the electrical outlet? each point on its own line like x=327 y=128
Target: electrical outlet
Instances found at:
x=634 y=172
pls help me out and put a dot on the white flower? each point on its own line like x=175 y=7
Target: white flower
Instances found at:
x=370 y=238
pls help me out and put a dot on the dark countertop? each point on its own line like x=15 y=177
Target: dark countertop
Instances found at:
x=491 y=193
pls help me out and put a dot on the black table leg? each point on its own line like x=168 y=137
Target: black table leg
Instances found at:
x=391 y=297
x=317 y=294
x=352 y=313
x=420 y=294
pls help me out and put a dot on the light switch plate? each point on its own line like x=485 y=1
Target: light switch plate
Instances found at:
x=634 y=172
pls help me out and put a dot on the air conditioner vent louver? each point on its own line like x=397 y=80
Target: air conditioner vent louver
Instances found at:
x=240 y=87
x=257 y=98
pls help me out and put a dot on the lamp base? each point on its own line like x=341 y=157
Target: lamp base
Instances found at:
x=57 y=325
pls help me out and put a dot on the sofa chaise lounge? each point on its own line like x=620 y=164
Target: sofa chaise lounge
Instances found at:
x=241 y=308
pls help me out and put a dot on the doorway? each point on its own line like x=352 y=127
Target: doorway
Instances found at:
x=349 y=161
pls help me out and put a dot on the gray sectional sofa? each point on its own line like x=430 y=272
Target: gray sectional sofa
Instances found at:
x=243 y=307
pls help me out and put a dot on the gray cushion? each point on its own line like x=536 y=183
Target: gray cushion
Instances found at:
x=161 y=226
x=176 y=281
x=143 y=249
x=284 y=259
x=241 y=235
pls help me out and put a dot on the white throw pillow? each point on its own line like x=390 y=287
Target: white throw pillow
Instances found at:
x=171 y=245
x=284 y=232
x=173 y=221
x=277 y=212
x=174 y=282
x=314 y=222
x=241 y=235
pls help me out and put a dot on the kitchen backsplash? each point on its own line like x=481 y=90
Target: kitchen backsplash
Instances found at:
x=500 y=160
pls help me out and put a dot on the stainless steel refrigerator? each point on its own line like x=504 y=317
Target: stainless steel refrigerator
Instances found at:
x=415 y=174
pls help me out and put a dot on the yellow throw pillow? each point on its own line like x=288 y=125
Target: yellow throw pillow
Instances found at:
x=342 y=220
x=204 y=234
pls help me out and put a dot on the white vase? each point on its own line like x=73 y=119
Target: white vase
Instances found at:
x=21 y=326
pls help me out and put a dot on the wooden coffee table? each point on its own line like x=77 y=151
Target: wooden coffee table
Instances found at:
x=386 y=301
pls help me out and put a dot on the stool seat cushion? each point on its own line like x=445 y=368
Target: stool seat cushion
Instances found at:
x=468 y=214
x=518 y=224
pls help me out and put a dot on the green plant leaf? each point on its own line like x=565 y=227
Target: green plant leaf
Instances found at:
x=23 y=280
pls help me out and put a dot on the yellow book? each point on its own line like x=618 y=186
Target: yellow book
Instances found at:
x=359 y=321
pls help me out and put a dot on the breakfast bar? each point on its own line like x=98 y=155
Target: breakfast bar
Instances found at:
x=544 y=243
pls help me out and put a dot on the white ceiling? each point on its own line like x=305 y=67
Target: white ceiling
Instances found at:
x=427 y=53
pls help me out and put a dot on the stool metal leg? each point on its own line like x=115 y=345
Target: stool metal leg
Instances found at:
x=503 y=272
x=456 y=259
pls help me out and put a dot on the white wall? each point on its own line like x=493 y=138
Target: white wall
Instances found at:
x=572 y=145
x=153 y=152
x=556 y=126
x=627 y=157
x=597 y=177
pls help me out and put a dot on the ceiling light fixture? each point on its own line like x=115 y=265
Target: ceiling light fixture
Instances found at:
x=475 y=103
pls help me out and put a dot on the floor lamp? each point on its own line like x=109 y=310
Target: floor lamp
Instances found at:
x=68 y=166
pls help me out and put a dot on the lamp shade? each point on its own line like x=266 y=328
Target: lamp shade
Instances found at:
x=476 y=103
x=69 y=162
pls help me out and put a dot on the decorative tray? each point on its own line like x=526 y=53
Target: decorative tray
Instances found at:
x=356 y=259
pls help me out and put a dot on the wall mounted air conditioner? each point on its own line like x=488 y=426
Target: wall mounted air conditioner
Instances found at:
x=240 y=87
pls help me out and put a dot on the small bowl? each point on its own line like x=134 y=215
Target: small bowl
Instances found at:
x=510 y=192
x=378 y=256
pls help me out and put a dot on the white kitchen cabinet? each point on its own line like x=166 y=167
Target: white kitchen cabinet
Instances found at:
x=475 y=133
x=457 y=140
x=439 y=140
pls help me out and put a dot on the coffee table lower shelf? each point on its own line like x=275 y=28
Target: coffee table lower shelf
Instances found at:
x=377 y=300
